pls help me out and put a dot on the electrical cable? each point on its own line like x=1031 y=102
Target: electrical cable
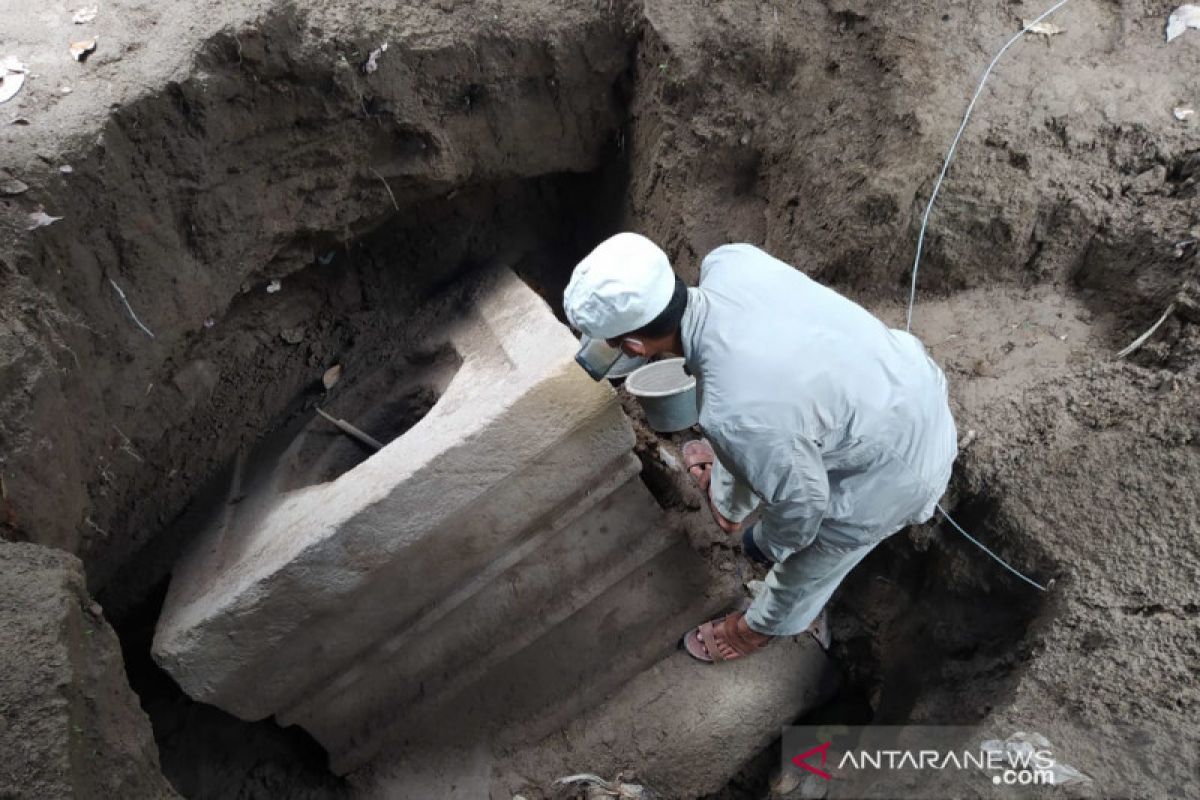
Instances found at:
x=937 y=186
x=984 y=548
x=961 y=530
x=912 y=294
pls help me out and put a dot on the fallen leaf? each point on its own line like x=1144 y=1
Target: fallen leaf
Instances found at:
x=1181 y=19
x=85 y=15
x=13 y=186
x=12 y=75
x=40 y=219
x=1046 y=29
x=274 y=286
x=1183 y=112
x=331 y=376
x=371 y=66
x=83 y=48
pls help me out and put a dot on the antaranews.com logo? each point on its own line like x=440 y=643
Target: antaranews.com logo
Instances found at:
x=1032 y=766
x=930 y=762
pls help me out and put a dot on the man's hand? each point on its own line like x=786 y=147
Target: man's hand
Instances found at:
x=726 y=525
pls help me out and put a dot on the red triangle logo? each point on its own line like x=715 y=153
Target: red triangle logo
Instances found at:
x=801 y=760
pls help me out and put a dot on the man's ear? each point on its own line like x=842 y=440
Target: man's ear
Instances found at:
x=633 y=347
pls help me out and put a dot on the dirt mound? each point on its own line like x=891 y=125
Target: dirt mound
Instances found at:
x=69 y=725
x=1097 y=476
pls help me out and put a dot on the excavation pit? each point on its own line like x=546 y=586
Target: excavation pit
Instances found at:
x=230 y=152
x=305 y=600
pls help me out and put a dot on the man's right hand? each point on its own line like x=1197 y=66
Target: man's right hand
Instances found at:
x=727 y=525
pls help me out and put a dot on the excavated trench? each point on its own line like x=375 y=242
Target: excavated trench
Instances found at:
x=364 y=308
x=927 y=630
x=500 y=150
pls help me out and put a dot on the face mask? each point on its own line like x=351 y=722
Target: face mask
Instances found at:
x=596 y=357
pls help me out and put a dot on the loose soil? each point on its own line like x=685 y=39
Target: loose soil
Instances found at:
x=217 y=147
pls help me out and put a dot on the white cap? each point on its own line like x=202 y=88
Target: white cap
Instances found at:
x=622 y=285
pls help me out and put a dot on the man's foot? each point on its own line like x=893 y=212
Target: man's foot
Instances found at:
x=698 y=458
x=724 y=639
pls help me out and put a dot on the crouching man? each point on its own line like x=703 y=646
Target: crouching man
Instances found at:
x=812 y=408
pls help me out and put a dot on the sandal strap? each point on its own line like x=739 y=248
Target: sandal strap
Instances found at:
x=695 y=459
x=708 y=637
x=740 y=644
x=731 y=635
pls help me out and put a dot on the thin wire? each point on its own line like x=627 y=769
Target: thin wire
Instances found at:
x=921 y=479
x=912 y=295
x=984 y=548
x=129 y=308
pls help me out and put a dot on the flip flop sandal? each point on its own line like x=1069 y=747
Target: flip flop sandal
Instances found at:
x=718 y=632
x=698 y=454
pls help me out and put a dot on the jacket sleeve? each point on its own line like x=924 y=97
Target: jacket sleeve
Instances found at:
x=731 y=496
x=787 y=472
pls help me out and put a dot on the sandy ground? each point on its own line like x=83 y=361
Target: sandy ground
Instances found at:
x=216 y=147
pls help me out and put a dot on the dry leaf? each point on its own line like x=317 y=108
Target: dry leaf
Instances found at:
x=40 y=219
x=274 y=286
x=1183 y=112
x=1046 y=29
x=1181 y=19
x=85 y=15
x=12 y=75
x=82 y=49
x=13 y=186
x=371 y=66
x=331 y=376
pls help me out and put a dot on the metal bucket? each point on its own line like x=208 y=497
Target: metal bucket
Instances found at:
x=666 y=393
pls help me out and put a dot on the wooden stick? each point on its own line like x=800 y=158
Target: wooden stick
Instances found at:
x=352 y=431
